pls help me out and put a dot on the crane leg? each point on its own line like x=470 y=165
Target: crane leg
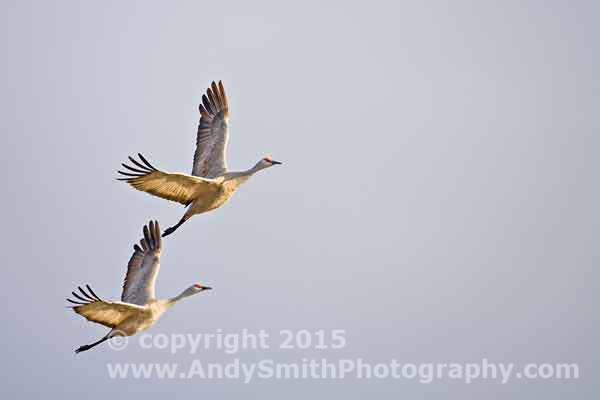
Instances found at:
x=89 y=346
x=172 y=229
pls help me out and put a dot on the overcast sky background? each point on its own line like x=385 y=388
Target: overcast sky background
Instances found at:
x=438 y=198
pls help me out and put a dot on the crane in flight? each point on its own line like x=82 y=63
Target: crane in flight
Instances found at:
x=210 y=185
x=138 y=309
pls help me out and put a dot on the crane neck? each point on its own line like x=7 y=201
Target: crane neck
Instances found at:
x=240 y=177
x=182 y=295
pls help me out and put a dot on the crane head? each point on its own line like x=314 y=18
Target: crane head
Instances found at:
x=267 y=162
x=200 y=288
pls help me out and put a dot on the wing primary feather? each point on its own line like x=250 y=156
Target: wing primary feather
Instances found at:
x=207 y=105
x=146 y=162
x=215 y=90
x=136 y=162
x=213 y=100
x=157 y=235
x=224 y=98
x=130 y=174
x=76 y=302
x=147 y=237
x=203 y=111
x=153 y=234
x=152 y=238
x=86 y=294
x=79 y=297
x=139 y=171
x=92 y=292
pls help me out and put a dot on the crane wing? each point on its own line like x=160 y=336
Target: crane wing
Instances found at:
x=107 y=313
x=213 y=134
x=175 y=187
x=143 y=267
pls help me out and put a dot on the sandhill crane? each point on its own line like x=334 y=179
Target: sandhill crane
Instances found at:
x=138 y=309
x=209 y=185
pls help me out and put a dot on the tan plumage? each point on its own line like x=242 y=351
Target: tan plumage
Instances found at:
x=107 y=313
x=181 y=188
x=210 y=185
x=138 y=309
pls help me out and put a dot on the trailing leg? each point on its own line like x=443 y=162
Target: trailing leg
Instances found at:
x=89 y=346
x=172 y=229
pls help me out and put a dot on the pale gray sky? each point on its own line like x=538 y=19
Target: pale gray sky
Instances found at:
x=438 y=198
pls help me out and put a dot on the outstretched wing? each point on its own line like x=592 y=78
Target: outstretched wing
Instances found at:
x=106 y=313
x=175 y=187
x=211 y=142
x=143 y=267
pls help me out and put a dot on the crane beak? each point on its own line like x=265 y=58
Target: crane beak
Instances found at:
x=276 y=162
x=206 y=288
